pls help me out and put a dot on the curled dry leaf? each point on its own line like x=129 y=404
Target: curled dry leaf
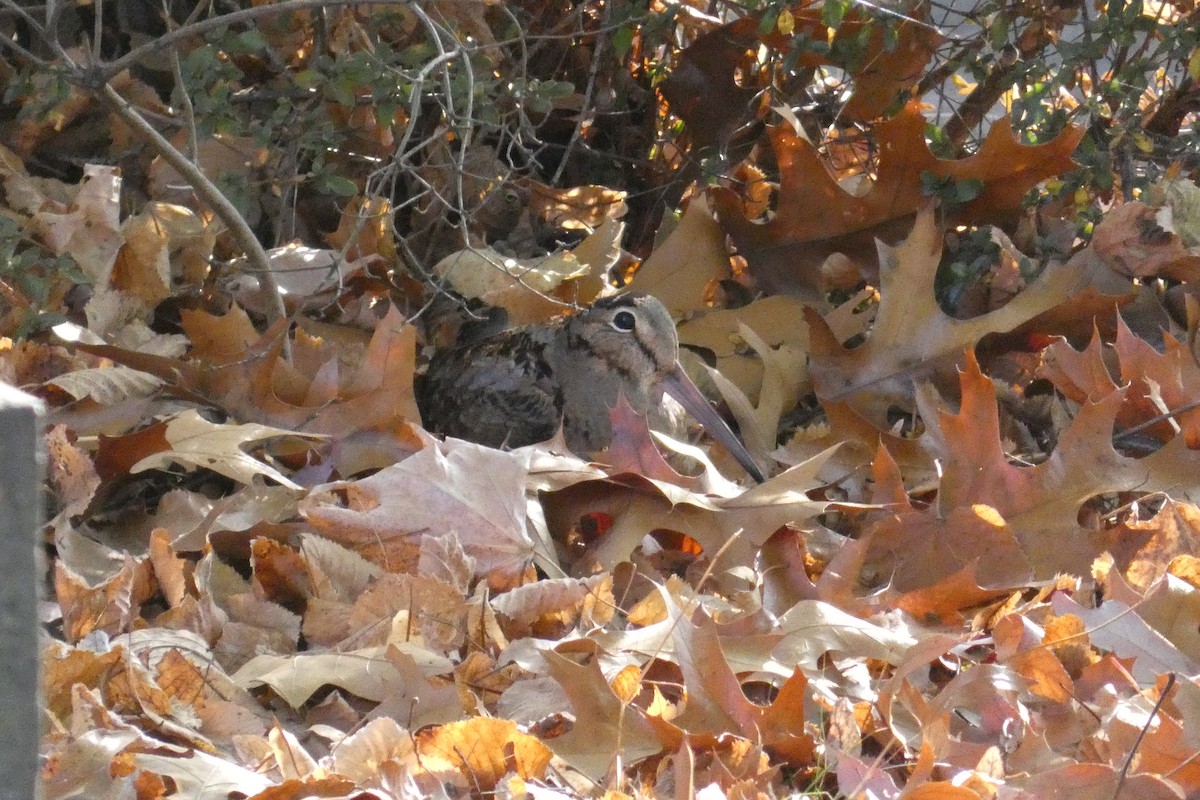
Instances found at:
x=112 y=606
x=245 y=374
x=107 y=385
x=551 y=607
x=715 y=702
x=532 y=290
x=380 y=751
x=89 y=228
x=1132 y=241
x=735 y=526
x=366 y=673
x=577 y=207
x=486 y=750
x=191 y=441
x=779 y=392
x=632 y=448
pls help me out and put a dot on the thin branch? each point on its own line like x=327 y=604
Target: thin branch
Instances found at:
x=113 y=68
x=583 y=119
x=199 y=182
x=1137 y=743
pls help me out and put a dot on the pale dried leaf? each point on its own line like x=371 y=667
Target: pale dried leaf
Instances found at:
x=107 y=385
x=366 y=673
x=196 y=442
x=453 y=486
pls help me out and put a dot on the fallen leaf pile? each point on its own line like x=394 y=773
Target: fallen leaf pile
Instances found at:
x=973 y=571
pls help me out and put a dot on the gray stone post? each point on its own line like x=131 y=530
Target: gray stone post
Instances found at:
x=21 y=468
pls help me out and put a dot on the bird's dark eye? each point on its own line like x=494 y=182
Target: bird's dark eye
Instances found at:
x=623 y=321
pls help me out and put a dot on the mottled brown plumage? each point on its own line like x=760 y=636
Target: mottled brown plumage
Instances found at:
x=517 y=387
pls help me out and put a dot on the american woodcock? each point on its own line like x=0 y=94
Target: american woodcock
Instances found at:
x=517 y=387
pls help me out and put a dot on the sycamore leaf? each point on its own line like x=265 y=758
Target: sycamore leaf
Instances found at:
x=476 y=492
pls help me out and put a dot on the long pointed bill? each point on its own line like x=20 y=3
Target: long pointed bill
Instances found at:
x=677 y=384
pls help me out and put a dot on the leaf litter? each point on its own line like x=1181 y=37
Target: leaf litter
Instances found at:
x=269 y=579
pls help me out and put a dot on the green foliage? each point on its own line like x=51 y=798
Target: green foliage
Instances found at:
x=1111 y=72
x=950 y=192
x=28 y=271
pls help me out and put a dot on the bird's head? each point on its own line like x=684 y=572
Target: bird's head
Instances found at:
x=633 y=335
x=634 y=338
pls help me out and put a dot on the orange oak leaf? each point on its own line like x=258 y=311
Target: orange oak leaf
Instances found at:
x=814 y=208
x=1158 y=382
x=1039 y=505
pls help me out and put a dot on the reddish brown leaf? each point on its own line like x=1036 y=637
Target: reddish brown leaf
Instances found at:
x=1006 y=168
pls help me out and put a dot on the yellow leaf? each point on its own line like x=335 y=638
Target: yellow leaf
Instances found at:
x=785 y=22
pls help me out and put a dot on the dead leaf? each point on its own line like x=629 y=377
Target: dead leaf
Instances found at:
x=486 y=750
x=912 y=338
x=849 y=223
x=680 y=270
x=476 y=492
x=190 y=441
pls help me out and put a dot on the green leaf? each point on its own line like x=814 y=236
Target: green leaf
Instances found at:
x=766 y=25
x=622 y=40
x=833 y=13
x=336 y=184
x=967 y=190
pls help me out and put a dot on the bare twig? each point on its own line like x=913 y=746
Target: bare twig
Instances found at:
x=114 y=68
x=225 y=210
x=1137 y=743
